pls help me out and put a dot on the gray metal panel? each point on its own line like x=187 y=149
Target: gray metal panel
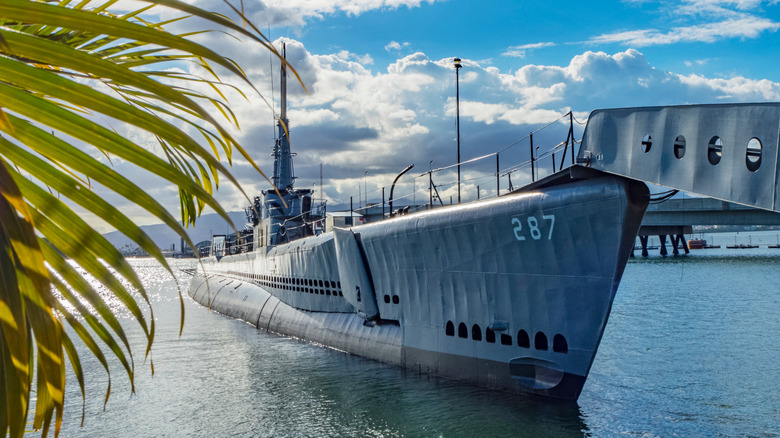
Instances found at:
x=355 y=283
x=612 y=142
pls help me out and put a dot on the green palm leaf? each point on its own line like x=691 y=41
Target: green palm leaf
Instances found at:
x=52 y=56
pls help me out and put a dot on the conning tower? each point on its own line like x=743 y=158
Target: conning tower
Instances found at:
x=285 y=212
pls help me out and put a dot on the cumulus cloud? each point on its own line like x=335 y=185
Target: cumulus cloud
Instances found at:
x=355 y=119
x=352 y=120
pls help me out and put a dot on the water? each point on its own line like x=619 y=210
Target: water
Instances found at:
x=690 y=350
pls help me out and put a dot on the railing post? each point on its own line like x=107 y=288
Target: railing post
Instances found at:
x=430 y=190
x=498 y=182
x=351 y=219
x=571 y=130
x=533 y=177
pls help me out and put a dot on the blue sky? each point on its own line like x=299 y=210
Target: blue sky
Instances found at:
x=712 y=38
x=381 y=83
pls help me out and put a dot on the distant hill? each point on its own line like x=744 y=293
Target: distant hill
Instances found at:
x=164 y=237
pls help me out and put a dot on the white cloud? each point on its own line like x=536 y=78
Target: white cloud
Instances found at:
x=718 y=8
x=697 y=21
x=520 y=51
x=362 y=59
x=737 y=88
x=298 y=12
x=383 y=120
x=395 y=46
x=748 y=27
x=355 y=119
x=696 y=62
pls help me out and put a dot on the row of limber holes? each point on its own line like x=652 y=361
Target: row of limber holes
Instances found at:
x=540 y=339
x=753 y=150
x=304 y=285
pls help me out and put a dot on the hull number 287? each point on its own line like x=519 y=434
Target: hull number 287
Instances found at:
x=533 y=227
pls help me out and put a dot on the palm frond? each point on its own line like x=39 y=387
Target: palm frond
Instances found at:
x=62 y=67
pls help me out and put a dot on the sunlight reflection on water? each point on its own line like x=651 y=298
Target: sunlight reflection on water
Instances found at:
x=688 y=351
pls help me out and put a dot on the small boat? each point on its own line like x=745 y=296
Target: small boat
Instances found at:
x=700 y=244
x=697 y=243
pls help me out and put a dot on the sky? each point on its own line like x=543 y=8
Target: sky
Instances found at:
x=381 y=83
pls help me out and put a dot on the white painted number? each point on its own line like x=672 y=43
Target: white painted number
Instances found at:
x=518 y=228
x=551 y=218
x=533 y=227
x=533 y=224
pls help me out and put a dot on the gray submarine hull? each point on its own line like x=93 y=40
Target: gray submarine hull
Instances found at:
x=511 y=293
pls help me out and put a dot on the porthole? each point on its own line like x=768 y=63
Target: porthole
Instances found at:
x=753 y=154
x=715 y=150
x=540 y=341
x=449 y=329
x=476 y=332
x=679 y=146
x=387 y=299
x=396 y=300
x=490 y=336
x=463 y=331
x=522 y=339
x=647 y=143
x=559 y=344
x=506 y=339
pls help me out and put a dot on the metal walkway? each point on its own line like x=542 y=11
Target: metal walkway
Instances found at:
x=728 y=152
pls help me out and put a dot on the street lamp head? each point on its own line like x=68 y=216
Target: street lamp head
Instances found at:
x=457 y=63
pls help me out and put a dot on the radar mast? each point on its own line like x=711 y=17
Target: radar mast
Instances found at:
x=283 y=169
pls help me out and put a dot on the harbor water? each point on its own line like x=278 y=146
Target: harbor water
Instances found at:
x=690 y=350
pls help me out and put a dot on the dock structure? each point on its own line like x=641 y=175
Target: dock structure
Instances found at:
x=675 y=218
x=729 y=152
x=676 y=235
x=706 y=211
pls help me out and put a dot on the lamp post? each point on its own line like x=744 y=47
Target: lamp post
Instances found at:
x=457 y=115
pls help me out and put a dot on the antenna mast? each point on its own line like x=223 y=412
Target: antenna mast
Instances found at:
x=283 y=173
